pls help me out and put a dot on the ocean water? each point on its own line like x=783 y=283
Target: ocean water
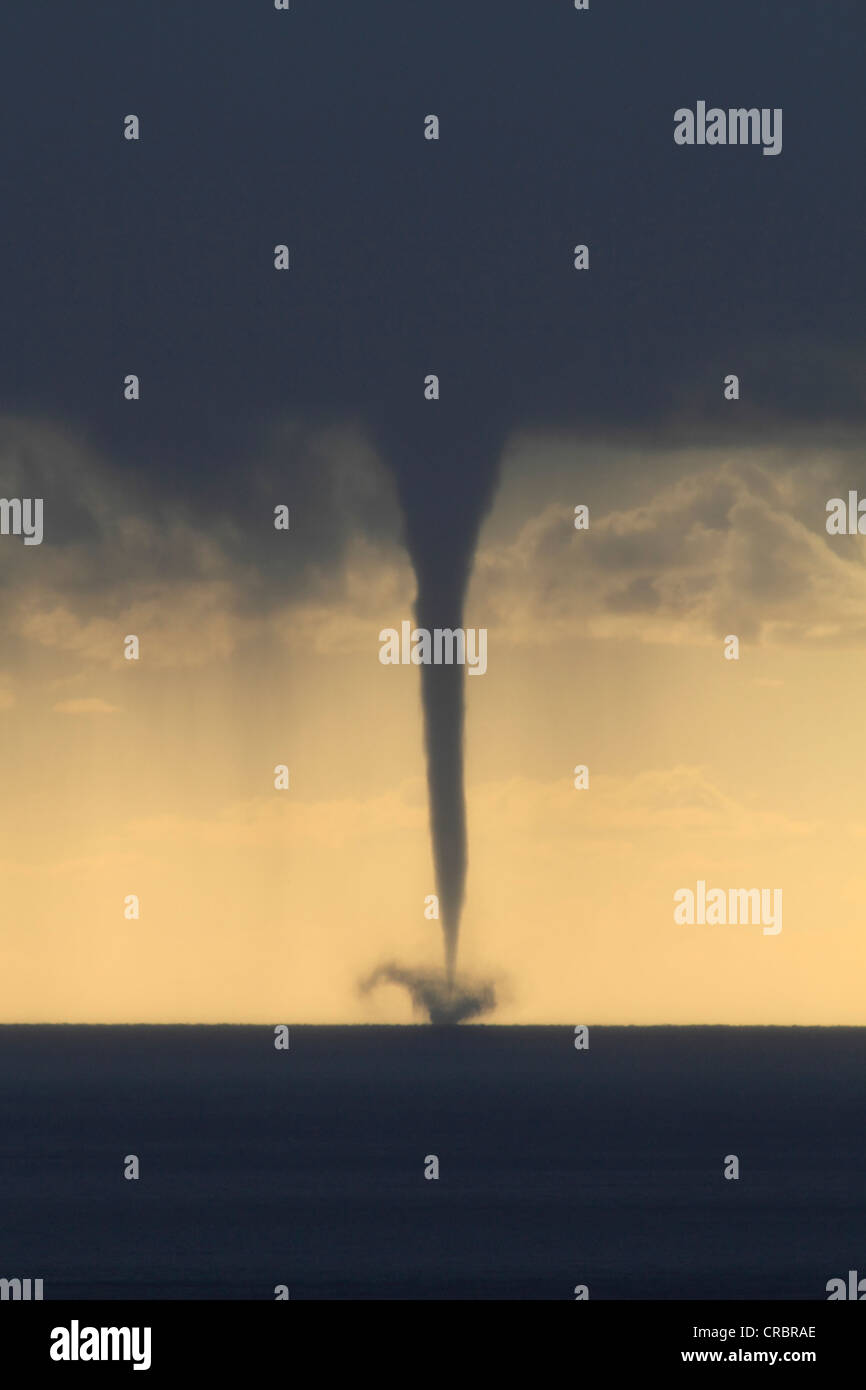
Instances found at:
x=557 y=1167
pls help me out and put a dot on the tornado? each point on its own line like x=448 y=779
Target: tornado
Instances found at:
x=440 y=603
x=446 y=475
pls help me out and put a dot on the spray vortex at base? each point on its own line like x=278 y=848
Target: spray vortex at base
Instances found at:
x=442 y=998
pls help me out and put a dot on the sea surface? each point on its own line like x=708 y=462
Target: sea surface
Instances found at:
x=557 y=1167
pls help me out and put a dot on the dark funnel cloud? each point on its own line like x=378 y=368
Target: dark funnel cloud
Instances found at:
x=446 y=472
x=435 y=994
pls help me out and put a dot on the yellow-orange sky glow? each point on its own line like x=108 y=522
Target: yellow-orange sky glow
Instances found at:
x=605 y=648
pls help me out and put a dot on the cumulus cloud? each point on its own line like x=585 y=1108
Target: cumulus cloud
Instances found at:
x=87 y=705
x=685 y=545
x=735 y=544
x=195 y=575
x=681 y=798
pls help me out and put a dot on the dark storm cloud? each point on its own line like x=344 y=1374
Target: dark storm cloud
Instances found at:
x=411 y=256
